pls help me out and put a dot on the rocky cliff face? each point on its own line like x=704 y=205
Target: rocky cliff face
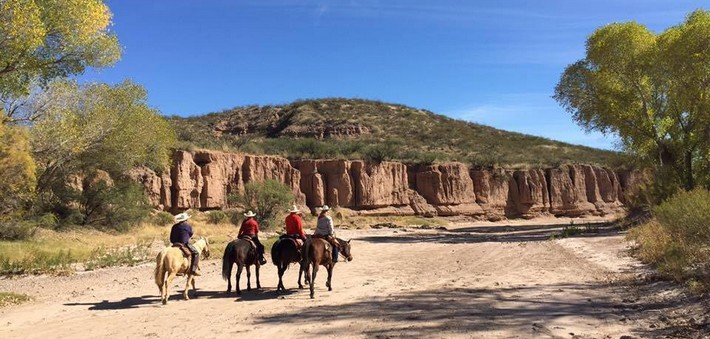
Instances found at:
x=204 y=180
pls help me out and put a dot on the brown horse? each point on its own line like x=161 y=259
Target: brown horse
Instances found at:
x=284 y=253
x=170 y=261
x=320 y=253
x=242 y=253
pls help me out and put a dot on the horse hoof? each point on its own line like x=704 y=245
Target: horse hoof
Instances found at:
x=165 y=302
x=330 y=288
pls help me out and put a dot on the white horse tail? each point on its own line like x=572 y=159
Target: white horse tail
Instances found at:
x=159 y=269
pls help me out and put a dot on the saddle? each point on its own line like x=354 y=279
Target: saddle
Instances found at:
x=248 y=238
x=296 y=241
x=185 y=250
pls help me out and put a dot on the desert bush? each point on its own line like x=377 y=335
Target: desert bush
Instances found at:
x=12 y=229
x=38 y=262
x=217 y=217
x=268 y=199
x=677 y=241
x=7 y=298
x=162 y=218
x=117 y=207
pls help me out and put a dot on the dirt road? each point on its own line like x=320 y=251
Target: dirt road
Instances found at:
x=484 y=281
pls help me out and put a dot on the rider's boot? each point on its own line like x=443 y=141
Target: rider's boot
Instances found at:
x=193 y=266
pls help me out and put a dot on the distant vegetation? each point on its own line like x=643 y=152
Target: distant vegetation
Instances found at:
x=365 y=129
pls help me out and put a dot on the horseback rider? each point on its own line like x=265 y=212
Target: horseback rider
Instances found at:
x=250 y=229
x=324 y=229
x=181 y=233
x=294 y=225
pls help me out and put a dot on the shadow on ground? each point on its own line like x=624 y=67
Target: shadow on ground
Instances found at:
x=480 y=312
x=469 y=235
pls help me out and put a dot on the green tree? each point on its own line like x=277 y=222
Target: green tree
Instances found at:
x=44 y=39
x=17 y=169
x=98 y=126
x=652 y=90
x=267 y=199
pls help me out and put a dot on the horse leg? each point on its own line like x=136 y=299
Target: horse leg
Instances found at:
x=239 y=275
x=194 y=289
x=281 y=270
x=248 y=277
x=313 y=278
x=258 y=283
x=166 y=287
x=300 y=273
x=330 y=276
x=187 y=286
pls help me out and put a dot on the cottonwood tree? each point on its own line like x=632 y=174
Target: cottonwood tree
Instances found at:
x=45 y=39
x=652 y=90
x=98 y=126
x=17 y=169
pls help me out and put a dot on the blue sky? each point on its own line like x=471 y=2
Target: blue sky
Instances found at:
x=491 y=62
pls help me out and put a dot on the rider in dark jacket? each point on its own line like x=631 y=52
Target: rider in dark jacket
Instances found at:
x=181 y=233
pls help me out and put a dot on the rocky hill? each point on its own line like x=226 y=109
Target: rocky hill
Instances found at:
x=357 y=129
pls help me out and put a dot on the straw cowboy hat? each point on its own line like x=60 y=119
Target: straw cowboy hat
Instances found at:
x=182 y=217
x=294 y=209
x=249 y=214
x=325 y=208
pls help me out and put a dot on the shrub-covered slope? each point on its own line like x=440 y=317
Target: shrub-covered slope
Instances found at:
x=357 y=129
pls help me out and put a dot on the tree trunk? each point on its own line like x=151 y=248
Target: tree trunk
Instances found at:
x=689 y=182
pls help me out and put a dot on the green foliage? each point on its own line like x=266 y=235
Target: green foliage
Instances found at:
x=651 y=90
x=17 y=168
x=101 y=257
x=45 y=39
x=117 y=207
x=309 y=129
x=678 y=240
x=15 y=229
x=98 y=126
x=217 y=217
x=162 y=218
x=268 y=199
x=38 y=262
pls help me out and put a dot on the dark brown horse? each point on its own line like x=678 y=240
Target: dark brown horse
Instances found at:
x=284 y=253
x=242 y=253
x=320 y=253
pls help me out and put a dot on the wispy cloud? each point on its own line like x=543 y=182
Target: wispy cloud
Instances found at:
x=531 y=113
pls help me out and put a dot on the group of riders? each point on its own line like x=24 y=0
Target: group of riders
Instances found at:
x=181 y=233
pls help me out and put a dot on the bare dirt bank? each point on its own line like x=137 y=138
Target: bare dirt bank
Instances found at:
x=489 y=280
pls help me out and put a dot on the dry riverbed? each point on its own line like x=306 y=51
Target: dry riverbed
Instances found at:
x=484 y=280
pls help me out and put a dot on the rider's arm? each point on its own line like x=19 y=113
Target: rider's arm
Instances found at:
x=330 y=225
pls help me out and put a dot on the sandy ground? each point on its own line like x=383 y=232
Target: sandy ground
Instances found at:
x=487 y=281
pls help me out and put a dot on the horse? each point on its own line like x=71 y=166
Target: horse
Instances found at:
x=284 y=253
x=319 y=255
x=171 y=261
x=241 y=252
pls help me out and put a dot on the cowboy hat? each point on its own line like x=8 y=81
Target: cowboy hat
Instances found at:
x=249 y=214
x=294 y=209
x=325 y=208
x=182 y=217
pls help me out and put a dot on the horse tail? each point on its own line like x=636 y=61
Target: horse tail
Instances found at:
x=159 y=268
x=228 y=260
x=276 y=252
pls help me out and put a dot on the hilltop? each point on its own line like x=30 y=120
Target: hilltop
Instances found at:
x=366 y=129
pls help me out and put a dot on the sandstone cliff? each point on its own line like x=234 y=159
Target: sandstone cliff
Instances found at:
x=204 y=180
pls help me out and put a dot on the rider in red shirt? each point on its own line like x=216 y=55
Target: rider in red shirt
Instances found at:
x=294 y=225
x=250 y=229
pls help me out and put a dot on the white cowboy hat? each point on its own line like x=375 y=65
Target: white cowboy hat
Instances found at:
x=249 y=214
x=294 y=209
x=182 y=217
x=325 y=208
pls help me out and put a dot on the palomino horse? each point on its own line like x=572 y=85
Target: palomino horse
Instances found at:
x=241 y=252
x=284 y=253
x=171 y=261
x=319 y=255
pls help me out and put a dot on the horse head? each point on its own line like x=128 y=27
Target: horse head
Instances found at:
x=206 y=247
x=345 y=249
